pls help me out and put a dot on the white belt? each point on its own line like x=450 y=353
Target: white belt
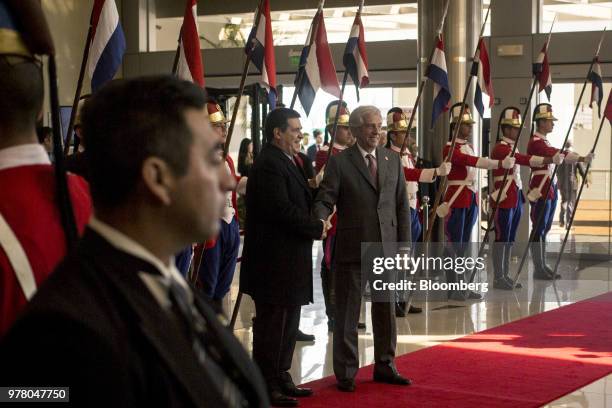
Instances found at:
x=504 y=189
x=17 y=258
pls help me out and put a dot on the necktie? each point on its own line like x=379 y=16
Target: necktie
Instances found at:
x=207 y=353
x=373 y=169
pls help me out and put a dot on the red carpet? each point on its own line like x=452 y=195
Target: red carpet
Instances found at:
x=526 y=363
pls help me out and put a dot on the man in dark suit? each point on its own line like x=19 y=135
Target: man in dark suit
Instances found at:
x=276 y=268
x=116 y=322
x=366 y=184
x=312 y=150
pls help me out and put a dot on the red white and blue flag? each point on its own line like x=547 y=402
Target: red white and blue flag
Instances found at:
x=608 y=110
x=541 y=70
x=260 y=46
x=355 y=58
x=316 y=65
x=596 y=86
x=439 y=75
x=481 y=69
x=107 y=43
x=189 y=66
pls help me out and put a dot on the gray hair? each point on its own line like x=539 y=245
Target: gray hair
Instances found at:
x=356 y=118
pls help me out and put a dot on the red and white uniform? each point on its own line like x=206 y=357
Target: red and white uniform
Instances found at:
x=231 y=197
x=540 y=174
x=502 y=149
x=463 y=174
x=30 y=225
x=321 y=156
x=413 y=175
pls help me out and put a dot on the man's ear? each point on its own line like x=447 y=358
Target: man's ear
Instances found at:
x=277 y=134
x=158 y=179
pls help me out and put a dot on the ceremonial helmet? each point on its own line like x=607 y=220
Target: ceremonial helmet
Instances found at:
x=455 y=111
x=510 y=116
x=330 y=114
x=11 y=39
x=215 y=114
x=543 y=111
x=397 y=120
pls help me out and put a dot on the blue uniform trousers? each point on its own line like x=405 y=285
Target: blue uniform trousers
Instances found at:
x=548 y=206
x=219 y=262
x=507 y=221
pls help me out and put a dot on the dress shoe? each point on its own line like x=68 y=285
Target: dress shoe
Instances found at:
x=301 y=336
x=395 y=379
x=414 y=310
x=400 y=309
x=502 y=284
x=278 y=399
x=361 y=325
x=543 y=275
x=346 y=385
x=292 y=391
x=474 y=295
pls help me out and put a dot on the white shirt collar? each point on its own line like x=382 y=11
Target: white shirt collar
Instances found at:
x=339 y=147
x=23 y=155
x=364 y=153
x=126 y=244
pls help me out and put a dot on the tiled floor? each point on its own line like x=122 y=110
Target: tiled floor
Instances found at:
x=442 y=321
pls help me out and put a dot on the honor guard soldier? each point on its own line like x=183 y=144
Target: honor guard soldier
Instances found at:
x=542 y=191
x=341 y=139
x=460 y=206
x=221 y=253
x=397 y=131
x=511 y=202
x=32 y=238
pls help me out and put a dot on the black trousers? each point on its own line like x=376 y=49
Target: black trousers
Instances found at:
x=275 y=330
x=349 y=290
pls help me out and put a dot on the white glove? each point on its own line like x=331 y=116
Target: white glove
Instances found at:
x=508 y=162
x=572 y=158
x=558 y=158
x=443 y=210
x=444 y=169
x=485 y=163
x=589 y=158
x=534 y=195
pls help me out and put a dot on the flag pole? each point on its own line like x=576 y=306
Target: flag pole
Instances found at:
x=449 y=156
x=571 y=221
x=77 y=93
x=424 y=80
x=554 y=173
x=245 y=72
x=177 y=54
x=300 y=74
x=512 y=154
x=341 y=99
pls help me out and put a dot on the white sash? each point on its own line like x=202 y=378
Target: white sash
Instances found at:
x=17 y=258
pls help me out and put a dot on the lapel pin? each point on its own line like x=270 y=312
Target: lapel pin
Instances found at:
x=386 y=158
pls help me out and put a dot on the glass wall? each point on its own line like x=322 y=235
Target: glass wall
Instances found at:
x=593 y=215
x=583 y=15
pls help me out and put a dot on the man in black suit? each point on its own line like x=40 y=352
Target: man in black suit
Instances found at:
x=366 y=184
x=116 y=322
x=276 y=269
x=312 y=150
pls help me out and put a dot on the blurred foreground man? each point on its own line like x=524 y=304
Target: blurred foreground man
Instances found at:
x=366 y=184
x=276 y=268
x=116 y=322
x=32 y=241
